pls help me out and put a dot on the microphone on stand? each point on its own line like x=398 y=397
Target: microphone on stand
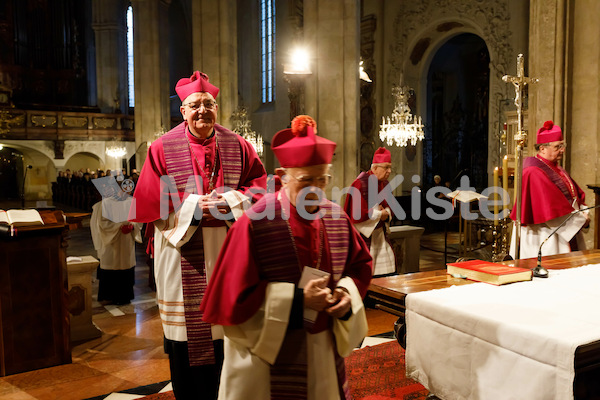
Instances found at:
x=23 y=188
x=539 y=271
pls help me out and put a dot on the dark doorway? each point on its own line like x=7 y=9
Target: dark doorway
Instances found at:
x=458 y=91
x=10 y=164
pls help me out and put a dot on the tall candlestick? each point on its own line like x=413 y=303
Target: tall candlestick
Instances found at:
x=496 y=197
x=505 y=178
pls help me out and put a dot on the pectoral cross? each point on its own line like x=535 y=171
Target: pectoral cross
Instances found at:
x=519 y=81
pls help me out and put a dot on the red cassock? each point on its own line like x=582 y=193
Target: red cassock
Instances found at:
x=236 y=290
x=542 y=200
x=148 y=192
x=362 y=190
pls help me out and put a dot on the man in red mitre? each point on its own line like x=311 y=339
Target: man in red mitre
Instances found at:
x=289 y=283
x=549 y=196
x=192 y=174
x=372 y=220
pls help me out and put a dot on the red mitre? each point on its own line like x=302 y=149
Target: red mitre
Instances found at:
x=382 y=155
x=198 y=82
x=549 y=133
x=299 y=146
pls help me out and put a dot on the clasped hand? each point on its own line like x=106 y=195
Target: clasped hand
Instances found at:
x=320 y=298
x=212 y=201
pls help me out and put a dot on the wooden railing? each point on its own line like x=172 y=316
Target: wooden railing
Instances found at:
x=19 y=124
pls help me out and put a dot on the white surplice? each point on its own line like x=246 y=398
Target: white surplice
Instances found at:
x=115 y=249
x=384 y=261
x=533 y=235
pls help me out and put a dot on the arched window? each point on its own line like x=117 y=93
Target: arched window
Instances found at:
x=130 y=56
x=267 y=50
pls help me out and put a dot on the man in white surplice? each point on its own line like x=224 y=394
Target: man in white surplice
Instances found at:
x=114 y=239
x=372 y=221
x=549 y=196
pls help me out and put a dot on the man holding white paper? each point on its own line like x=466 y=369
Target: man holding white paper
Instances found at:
x=549 y=196
x=289 y=282
x=373 y=221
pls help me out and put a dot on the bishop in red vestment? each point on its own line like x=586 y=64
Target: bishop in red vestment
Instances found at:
x=192 y=175
x=289 y=283
x=372 y=220
x=549 y=195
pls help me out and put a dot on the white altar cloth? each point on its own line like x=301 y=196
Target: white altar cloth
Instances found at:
x=515 y=341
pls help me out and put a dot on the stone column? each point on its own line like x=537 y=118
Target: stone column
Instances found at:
x=214 y=50
x=565 y=56
x=547 y=48
x=110 y=29
x=151 y=53
x=332 y=36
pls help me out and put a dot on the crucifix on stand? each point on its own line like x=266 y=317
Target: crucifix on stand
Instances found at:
x=519 y=81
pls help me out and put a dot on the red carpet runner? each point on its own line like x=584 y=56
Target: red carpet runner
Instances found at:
x=375 y=373
x=378 y=373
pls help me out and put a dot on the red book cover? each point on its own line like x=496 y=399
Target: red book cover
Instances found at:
x=489 y=272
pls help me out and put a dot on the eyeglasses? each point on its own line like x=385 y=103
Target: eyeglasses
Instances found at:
x=386 y=168
x=208 y=105
x=312 y=180
x=557 y=146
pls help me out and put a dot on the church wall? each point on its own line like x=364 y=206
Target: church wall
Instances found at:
x=110 y=29
x=267 y=119
x=565 y=57
x=331 y=32
x=151 y=72
x=413 y=31
x=214 y=50
x=582 y=122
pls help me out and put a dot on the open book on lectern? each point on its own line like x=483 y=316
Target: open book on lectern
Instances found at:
x=465 y=196
x=21 y=217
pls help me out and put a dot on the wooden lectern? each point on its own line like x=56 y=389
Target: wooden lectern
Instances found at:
x=34 y=320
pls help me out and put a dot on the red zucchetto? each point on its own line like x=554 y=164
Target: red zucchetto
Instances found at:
x=549 y=133
x=198 y=82
x=299 y=146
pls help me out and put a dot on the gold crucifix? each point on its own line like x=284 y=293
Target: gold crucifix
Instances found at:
x=519 y=81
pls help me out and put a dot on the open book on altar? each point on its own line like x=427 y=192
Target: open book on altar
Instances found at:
x=489 y=272
x=21 y=217
x=465 y=196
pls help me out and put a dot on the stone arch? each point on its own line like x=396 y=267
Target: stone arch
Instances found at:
x=423 y=28
x=39 y=177
x=84 y=159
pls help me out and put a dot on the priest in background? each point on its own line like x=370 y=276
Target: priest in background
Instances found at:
x=289 y=283
x=114 y=240
x=193 y=174
x=549 y=196
x=373 y=220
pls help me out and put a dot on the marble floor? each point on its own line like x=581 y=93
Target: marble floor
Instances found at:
x=129 y=353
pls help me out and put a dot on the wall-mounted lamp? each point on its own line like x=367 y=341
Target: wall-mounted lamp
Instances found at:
x=295 y=73
x=362 y=74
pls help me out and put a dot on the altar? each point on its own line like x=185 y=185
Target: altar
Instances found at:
x=538 y=339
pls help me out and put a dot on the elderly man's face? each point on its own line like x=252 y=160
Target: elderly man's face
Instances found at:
x=199 y=110
x=553 y=151
x=309 y=178
x=382 y=171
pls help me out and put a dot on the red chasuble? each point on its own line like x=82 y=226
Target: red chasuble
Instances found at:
x=361 y=183
x=237 y=286
x=148 y=192
x=548 y=192
x=194 y=165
